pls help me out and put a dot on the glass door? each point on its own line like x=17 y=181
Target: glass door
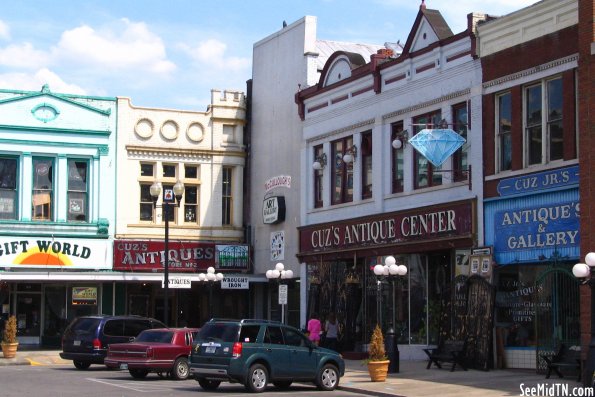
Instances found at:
x=28 y=314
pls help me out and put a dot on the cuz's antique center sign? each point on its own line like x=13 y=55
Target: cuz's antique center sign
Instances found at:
x=455 y=220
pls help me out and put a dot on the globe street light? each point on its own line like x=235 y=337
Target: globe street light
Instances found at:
x=277 y=274
x=210 y=278
x=390 y=271
x=586 y=272
x=172 y=196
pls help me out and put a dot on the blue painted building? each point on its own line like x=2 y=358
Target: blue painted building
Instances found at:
x=57 y=206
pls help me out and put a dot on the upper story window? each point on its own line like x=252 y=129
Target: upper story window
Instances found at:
x=191 y=193
x=543 y=122
x=342 y=173
x=169 y=179
x=146 y=179
x=43 y=189
x=226 y=196
x=367 y=177
x=318 y=188
x=426 y=174
x=504 y=131
x=78 y=191
x=397 y=158
x=459 y=125
x=8 y=188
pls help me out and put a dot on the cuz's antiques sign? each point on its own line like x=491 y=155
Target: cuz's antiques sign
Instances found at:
x=454 y=220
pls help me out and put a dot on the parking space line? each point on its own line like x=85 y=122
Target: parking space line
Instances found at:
x=140 y=390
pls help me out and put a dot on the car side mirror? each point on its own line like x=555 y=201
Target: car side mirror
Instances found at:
x=131 y=339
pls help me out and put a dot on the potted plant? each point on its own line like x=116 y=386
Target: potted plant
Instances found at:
x=9 y=339
x=377 y=360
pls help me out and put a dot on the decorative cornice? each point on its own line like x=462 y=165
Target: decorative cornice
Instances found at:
x=343 y=129
x=50 y=130
x=422 y=105
x=101 y=149
x=533 y=70
x=181 y=154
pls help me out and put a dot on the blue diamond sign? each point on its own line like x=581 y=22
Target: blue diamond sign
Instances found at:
x=437 y=144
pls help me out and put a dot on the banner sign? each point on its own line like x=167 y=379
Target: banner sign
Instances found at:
x=273 y=210
x=184 y=256
x=177 y=282
x=47 y=252
x=554 y=226
x=445 y=221
x=235 y=283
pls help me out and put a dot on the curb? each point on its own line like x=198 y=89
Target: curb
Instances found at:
x=367 y=392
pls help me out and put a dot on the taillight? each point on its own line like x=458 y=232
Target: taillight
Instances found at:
x=96 y=344
x=149 y=352
x=237 y=349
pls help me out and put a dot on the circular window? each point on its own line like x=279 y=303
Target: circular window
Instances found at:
x=144 y=128
x=169 y=129
x=195 y=132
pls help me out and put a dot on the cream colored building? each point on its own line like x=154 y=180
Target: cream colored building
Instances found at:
x=204 y=151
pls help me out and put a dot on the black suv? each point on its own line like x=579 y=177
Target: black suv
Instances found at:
x=256 y=352
x=87 y=338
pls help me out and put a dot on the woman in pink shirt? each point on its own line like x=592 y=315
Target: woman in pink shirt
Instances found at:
x=314 y=328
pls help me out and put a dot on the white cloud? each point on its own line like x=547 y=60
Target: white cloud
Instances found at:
x=212 y=52
x=34 y=82
x=131 y=47
x=4 y=31
x=23 y=56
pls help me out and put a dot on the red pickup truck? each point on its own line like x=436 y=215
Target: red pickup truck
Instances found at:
x=160 y=350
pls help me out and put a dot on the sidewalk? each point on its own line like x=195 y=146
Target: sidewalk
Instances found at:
x=413 y=380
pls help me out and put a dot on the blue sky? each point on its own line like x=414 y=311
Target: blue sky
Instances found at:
x=170 y=54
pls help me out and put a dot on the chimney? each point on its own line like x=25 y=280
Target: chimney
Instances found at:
x=423 y=5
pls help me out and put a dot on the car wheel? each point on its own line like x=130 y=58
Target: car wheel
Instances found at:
x=81 y=364
x=257 y=379
x=180 y=370
x=328 y=378
x=283 y=384
x=138 y=373
x=208 y=384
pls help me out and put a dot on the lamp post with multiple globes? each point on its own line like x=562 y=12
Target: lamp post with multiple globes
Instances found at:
x=210 y=278
x=390 y=271
x=171 y=199
x=277 y=274
x=586 y=271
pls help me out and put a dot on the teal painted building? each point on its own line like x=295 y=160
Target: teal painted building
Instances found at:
x=57 y=209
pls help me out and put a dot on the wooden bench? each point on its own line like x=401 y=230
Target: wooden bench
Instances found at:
x=450 y=351
x=564 y=358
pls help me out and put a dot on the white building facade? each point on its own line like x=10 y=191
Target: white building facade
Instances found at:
x=385 y=198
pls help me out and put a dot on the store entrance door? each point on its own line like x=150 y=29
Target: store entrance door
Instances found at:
x=28 y=317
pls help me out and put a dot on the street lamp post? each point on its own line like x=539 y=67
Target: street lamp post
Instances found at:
x=277 y=274
x=171 y=198
x=586 y=272
x=210 y=278
x=390 y=271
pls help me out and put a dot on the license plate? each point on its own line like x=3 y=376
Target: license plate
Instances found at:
x=76 y=343
x=210 y=349
x=123 y=366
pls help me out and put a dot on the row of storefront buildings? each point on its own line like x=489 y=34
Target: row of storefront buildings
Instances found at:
x=314 y=167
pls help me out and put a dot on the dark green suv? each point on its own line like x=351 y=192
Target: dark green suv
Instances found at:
x=258 y=352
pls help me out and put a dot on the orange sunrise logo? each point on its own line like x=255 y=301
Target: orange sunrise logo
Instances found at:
x=35 y=257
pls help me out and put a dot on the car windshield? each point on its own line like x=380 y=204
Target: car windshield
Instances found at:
x=219 y=332
x=155 y=336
